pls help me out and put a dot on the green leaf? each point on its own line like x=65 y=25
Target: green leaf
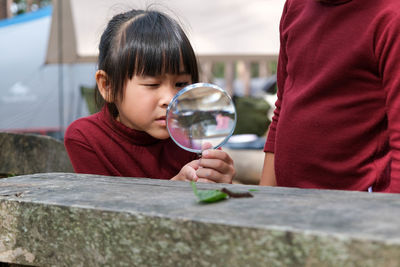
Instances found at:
x=208 y=196
x=253 y=190
x=194 y=187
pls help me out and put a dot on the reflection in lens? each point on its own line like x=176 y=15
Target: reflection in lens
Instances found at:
x=201 y=116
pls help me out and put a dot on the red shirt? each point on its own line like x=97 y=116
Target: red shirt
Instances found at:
x=337 y=117
x=100 y=145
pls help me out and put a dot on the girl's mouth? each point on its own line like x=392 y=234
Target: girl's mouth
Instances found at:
x=161 y=121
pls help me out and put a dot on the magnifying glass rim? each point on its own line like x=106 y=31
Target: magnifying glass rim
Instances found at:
x=191 y=87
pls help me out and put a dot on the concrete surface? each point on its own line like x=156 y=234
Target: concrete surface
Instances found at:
x=64 y=219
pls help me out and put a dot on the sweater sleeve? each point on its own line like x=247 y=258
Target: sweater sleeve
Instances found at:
x=387 y=50
x=82 y=156
x=281 y=77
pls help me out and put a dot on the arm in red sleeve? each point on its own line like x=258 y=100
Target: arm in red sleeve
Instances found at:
x=83 y=157
x=387 y=51
x=281 y=77
x=268 y=172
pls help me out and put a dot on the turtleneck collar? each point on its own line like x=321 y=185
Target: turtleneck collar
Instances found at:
x=134 y=136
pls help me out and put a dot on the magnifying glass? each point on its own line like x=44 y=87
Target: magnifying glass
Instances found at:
x=201 y=116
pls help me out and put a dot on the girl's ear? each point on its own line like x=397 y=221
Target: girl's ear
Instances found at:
x=104 y=85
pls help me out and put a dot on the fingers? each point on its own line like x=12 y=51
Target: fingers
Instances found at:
x=217 y=154
x=188 y=172
x=195 y=164
x=217 y=166
x=214 y=175
x=217 y=160
x=206 y=145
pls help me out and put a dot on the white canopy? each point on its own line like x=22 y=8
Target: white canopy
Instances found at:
x=216 y=28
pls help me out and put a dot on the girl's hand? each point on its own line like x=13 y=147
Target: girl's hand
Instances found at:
x=188 y=172
x=215 y=166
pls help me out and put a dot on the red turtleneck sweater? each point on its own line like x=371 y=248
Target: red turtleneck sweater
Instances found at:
x=99 y=145
x=337 y=118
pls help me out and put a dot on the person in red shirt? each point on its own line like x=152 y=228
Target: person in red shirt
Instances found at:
x=145 y=58
x=337 y=119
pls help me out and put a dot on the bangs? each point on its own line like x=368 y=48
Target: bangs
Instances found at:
x=154 y=45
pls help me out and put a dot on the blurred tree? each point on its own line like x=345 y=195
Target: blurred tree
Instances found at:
x=251 y=115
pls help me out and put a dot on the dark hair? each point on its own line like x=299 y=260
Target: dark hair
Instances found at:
x=142 y=42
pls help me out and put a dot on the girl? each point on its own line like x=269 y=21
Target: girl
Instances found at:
x=145 y=58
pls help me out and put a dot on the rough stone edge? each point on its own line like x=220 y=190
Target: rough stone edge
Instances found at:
x=57 y=160
x=46 y=235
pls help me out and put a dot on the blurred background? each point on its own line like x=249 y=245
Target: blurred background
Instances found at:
x=48 y=54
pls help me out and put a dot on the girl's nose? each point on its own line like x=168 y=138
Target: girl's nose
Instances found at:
x=167 y=94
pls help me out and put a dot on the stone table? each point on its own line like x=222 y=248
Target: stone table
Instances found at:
x=65 y=219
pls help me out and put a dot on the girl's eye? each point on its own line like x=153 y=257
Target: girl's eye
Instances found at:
x=152 y=84
x=182 y=84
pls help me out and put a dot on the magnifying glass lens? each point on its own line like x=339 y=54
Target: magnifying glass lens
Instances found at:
x=201 y=116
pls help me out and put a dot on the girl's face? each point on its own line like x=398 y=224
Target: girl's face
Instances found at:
x=145 y=102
